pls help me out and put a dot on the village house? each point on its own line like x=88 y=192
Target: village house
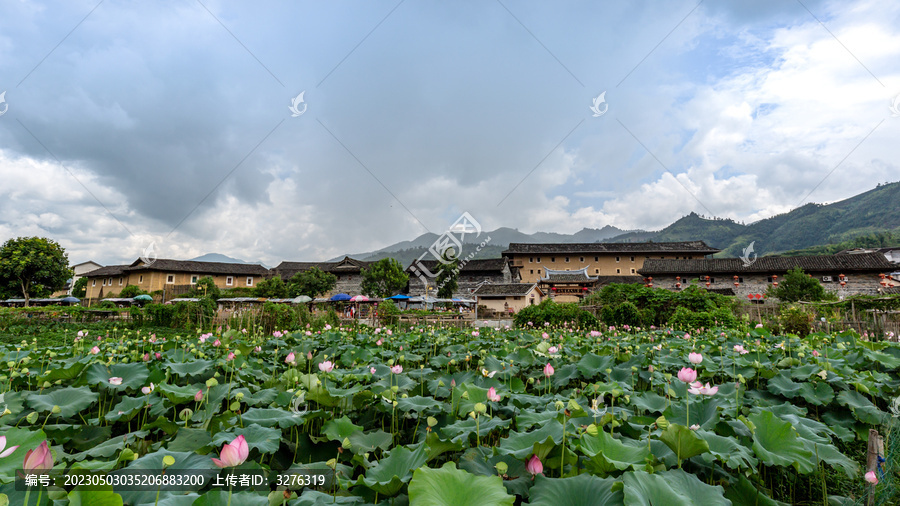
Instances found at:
x=78 y=271
x=507 y=298
x=864 y=273
x=172 y=277
x=892 y=254
x=473 y=274
x=348 y=272
x=534 y=261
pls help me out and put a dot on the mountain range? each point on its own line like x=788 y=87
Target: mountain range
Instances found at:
x=874 y=211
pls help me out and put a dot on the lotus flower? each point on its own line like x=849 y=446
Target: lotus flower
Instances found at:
x=740 y=349
x=327 y=327
x=95 y=350
x=233 y=453
x=545 y=336
x=698 y=389
x=872 y=478
x=308 y=355
x=372 y=370
x=6 y=452
x=553 y=350
x=115 y=380
x=326 y=366
x=487 y=374
x=198 y=396
x=146 y=357
x=815 y=353
x=474 y=333
x=277 y=334
x=759 y=325
x=492 y=395
x=548 y=371
x=695 y=427
x=534 y=466
x=379 y=342
x=695 y=358
x=217 y=343
x=687 y=375
x=39 y=459
x=397 y=369
x=291 y=359
x=147 y=390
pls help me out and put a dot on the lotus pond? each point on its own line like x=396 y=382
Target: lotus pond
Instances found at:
x=541 y=416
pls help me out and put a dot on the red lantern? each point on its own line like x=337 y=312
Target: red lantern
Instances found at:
x=707 y=284
x=584 y=289
x=841 y=276
x=678 y=278
x=735 y=277
x=843 y=284
x=677 y=285
x=736 y=284
x=775 y=283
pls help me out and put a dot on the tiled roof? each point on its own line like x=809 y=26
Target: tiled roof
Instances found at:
x=167 y=265
x=287 y=269
x=474 y=265
x=579 y=276
x=109 y=270
x=608 y=280
x=513 y=289
x=872 y=262
x=698 y=247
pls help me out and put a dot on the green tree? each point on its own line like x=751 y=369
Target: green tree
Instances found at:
x=312 y=283
x=206 y=287
x=80 y=288
x=384 y=278
x=272 y=288
x=33 y=267
x=797 y=286
x=447 y=275
x=129 y=291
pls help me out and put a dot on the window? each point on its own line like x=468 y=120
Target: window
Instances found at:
x=532 y=271
x=93 y=282
x=618 y=271
x=581 y=259
x=229 y=280
x=110 y=282
x=617 y=259
x=141 y=279
x=531 y=260
x=120 y=281
x=538 y=259
x=596 y=271
x=567 y=259
x=552 y=259
x=596 y=259
x=104 y=281
x=170 y=279
x=194 y=279
x=632 y=271
x=539 y=271
x=632 y=259
x=250 y=281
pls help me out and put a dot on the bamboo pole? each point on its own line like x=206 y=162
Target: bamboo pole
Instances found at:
x=875 y=445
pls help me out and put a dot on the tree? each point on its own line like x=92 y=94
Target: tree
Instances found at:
x=797 y=286
x=312 y=283
x=130 y=291
x=206 y=287
x=33 y=267
x=80 y=288
x=272 y=288
x=447 y=275
x=384 y=278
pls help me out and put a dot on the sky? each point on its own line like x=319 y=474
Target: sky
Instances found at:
x=170 y=123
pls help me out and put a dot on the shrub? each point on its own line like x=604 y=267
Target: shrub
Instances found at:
x=625 y=313
x=555 y=314
x=685 y=319
x=796 y=320
x=388 y=311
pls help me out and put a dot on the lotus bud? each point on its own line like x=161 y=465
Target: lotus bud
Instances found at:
x=332 y=463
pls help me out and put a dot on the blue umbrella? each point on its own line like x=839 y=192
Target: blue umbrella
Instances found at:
x=340 y=297
x=399 y=297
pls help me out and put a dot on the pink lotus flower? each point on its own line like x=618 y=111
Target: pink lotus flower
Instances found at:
x=158 y=355
x=146 y=357
x=291 y=359
x=595 y=333
x=308 y=355
x=257 y=349
x=687 y=375
x=198 y=396
x=815 y=353
x=233 y=453
x=545 y=335
x=81 y=333
x=95 y=350
x=379 y=342
x=553 y=350
x=698 y=389
x=390 y=332
x=695 y=427
x=548 y=371
x=327 y=327
x=492 y=395
x=487 y=374
x=277 y=334
x=217 y=343
x=326 y=366
x=475 y=333
x=230 y=356
x=6 y=452
x=695 y=358
x=452 y=383
x=115 y=380
x=401 y=348
x=147 y=390
x=687 y=336
x=39 y=459
x=872 y=478
x=534 y=466
x=759 y=325
x=372 y=370
x=397 y=369
x=740 y=349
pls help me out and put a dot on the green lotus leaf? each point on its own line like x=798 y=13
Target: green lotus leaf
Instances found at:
x=522 y=444
x=818 y=393
x=340 y=428
x=178 y=394
x=272 y=417
x=189 y=440
x=742 y=493
x=591 y=365
x=671 y=488
x=449 y=486
x=315 y=498
x=582 y=490
x=126 y=409
x=782 y=384
x=71 y=400
x=463 y=429
x=776 y=443
x=728 y=450
x=683 y=441
x=362 y=442
x=417 y=403
x=390 y=473
x=193 y=368
x=264 y=439
x=608 y=454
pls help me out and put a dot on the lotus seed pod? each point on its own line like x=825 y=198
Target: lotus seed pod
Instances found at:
x=502 y=467
x=345 y=444
x=481 y=409
x=46 y=385
x=32 y=417
x=56 y=410
x=332 y=463
x=559 y=405
x=662 y=423
x=235 y=406
x=239 y=396
x=395 y=389
x=592 y=429
x=211 y=382
x=10 y=364
x=432 y=421
x=168 y=460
